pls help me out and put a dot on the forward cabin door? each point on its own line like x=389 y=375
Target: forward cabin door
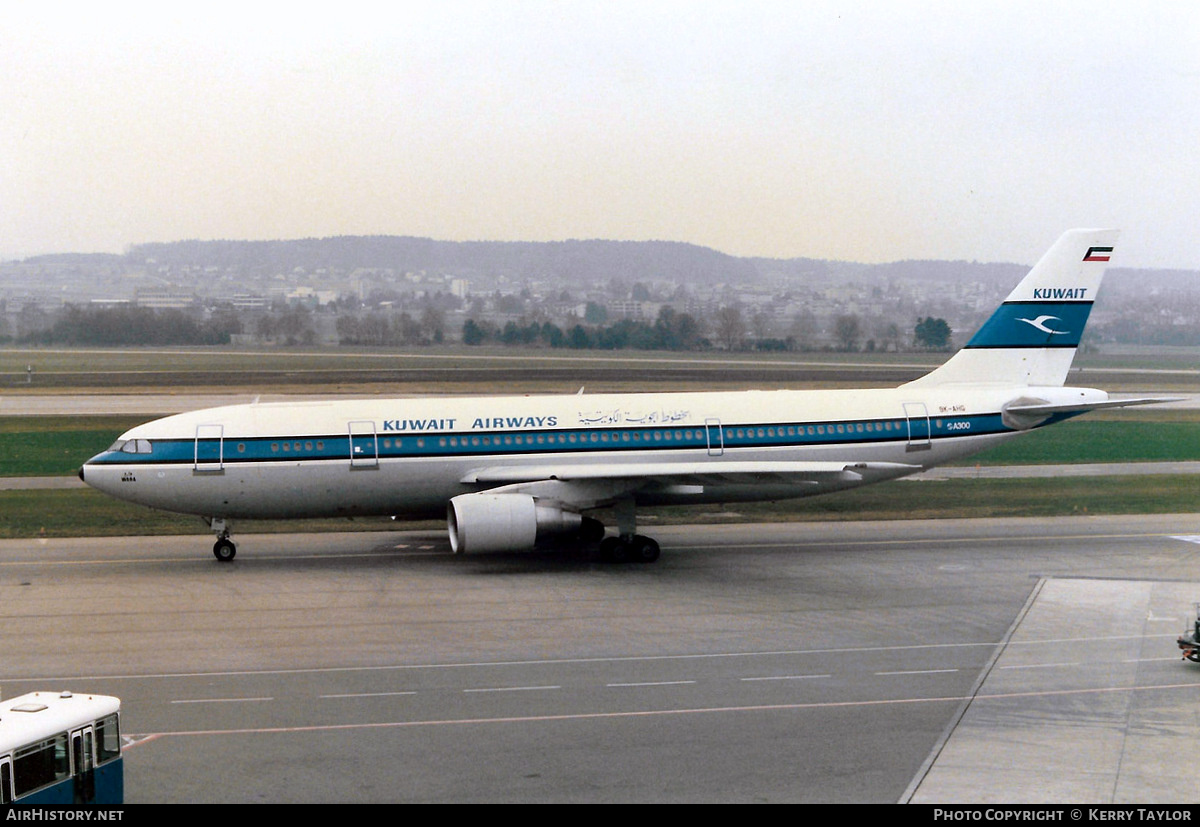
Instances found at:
x=364 y=444
x=210 y=449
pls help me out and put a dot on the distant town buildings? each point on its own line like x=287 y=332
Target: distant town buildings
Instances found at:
x=797 y=302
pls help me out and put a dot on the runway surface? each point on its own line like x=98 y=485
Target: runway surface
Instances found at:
x=871 y=662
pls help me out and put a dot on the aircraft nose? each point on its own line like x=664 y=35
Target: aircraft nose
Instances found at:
x=81 y=479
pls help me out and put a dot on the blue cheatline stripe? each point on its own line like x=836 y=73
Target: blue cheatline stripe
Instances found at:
x=562 y=441
x=1034 y=324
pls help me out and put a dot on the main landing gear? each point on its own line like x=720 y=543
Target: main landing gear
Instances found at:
x=224 y=549
x=628 y=546
x=633 y=548
x=625 y=548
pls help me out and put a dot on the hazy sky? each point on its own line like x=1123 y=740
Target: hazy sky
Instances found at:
x=869 y=131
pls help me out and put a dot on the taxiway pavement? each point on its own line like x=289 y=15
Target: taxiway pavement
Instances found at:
x=955 y=660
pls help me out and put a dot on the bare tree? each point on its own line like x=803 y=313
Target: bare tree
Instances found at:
x=847 y=331
x=730 y=328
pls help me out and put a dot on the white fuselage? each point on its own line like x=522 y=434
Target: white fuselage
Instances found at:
x=408 y=457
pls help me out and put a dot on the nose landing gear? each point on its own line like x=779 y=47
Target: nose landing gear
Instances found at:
x=224 y=549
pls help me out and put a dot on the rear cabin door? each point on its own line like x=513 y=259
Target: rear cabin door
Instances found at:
x=918 y=426
x=715 y=437
x=364 y=444
x=210 y=448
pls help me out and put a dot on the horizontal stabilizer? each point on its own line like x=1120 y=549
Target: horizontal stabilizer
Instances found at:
x=1025 y=413
x=1034 y=408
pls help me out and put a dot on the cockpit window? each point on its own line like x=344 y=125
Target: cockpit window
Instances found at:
x=119 y=445
x=131 y=446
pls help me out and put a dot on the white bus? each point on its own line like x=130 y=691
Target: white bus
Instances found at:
x=60 y=748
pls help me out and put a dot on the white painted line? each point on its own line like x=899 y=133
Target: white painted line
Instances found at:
x=220 y=700
x=368 y=695
x=919 y=672
x=650 y=683
x=786 y=678
x=513 y=689
x=337 y=670
x=1040 y=665
x=1189 y=687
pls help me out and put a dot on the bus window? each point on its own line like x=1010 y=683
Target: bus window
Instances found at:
x=108 y=739
x=41 y=764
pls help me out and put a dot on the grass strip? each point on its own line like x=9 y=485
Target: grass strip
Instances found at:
x=76 y=513
x=50 y=446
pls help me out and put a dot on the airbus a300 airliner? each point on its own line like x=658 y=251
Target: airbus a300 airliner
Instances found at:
x=509 y=472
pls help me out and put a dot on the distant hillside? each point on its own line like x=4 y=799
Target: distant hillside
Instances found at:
x=578 y=263
x=570 y=260
x=77 y=260
x=910 y=270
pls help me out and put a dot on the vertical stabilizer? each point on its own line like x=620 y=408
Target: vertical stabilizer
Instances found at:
x=1032 y=337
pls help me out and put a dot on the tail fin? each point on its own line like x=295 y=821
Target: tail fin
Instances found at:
x=1032 y=337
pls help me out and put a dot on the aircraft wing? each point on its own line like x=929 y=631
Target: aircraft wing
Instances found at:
x=636 y=474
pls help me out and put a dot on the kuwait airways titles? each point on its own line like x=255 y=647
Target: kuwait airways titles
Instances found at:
x=480 y=423
x=1059 y=292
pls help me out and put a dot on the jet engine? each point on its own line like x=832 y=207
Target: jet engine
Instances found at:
x=504 y=522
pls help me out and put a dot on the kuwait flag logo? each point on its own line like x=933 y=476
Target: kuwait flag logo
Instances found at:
x=1098 y=254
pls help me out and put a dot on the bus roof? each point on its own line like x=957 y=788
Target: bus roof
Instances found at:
x=35 y=716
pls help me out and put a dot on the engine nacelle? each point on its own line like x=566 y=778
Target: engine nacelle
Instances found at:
x=504 y=522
